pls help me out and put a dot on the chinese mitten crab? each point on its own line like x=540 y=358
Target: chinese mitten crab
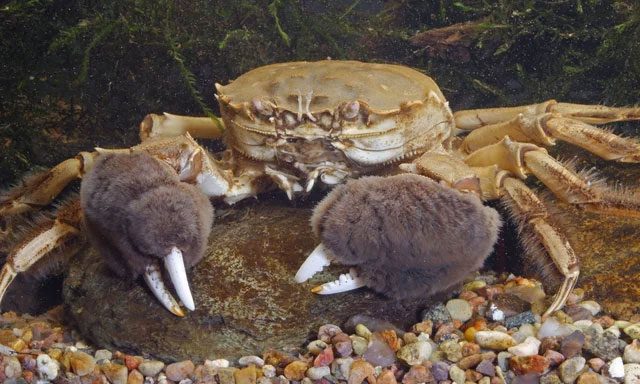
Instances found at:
x=297 y=125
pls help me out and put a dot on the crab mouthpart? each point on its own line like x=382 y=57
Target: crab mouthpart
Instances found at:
x=153 y=278
x=174 y=264
x=346 y=282
x=315 y=262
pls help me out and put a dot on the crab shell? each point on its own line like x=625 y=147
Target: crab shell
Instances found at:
x=335 y=115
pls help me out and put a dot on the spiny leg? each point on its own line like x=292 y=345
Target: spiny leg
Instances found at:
x=546 y=128
x=591 y=114
x=541 y=237
x=50 y=243
x=521 y=159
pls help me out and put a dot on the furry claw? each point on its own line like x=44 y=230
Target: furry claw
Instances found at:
x=346 y=282
x=315 y=262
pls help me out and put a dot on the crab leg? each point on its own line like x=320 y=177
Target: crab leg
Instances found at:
x=521 y=159
x=544 y=129
x=169 y=125
x=532 y=217
x=345 y=283
x=40 y=190
x=591 y=114
x=47 y=241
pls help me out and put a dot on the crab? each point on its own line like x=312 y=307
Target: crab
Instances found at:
x=300 y=125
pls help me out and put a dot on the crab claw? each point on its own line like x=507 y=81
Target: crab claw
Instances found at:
x=346 y=282
x=153 y=278
x=315 y=262
x=174 y=264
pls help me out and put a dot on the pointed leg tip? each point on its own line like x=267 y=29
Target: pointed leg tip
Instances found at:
x=317 y=289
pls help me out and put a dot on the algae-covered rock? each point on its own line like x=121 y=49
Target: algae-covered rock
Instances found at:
x=246 y=298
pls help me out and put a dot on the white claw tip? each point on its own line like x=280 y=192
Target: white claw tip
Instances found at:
x=174 y=264
x=314 y=263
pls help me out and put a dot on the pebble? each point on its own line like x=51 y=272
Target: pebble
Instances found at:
x=360 y=371
x=386 y=377
x=527 y=348
x=633 y=331
x=415 y=353
x=571 y=345
x=12 y=367
x=360 y=344
x=324 y=358
x=246 y=375
x=225 y=375
x=341 y=368
x=523 y=365
x=379 y=353
x=295 y=370
x=48 y=369
x=571 y=369
x=457 y=375
x=486 y=368
x=616 y=368
x=81 y=363
x=116 y=373
x=363 y=331
x=102 y=354
x=440 y=370
x=632 y=373
x=249 y=360
x=180 y=370
x=459 y=309
x=135 y=377
x=151 y=368
x=518 y=320
x=418 y=374
x=317 y=373
x=269 y=370
x=552 y=327
x=632 y=352
x=452 y=350
x=591 y=306
x=498 y=341
x=438 y=314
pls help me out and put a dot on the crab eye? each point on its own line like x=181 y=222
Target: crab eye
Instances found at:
x=261 y=107
x=350 y=110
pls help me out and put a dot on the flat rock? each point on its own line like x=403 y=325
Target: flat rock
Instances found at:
x=245 y=295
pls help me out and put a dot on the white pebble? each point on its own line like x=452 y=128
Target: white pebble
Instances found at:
x=583 y=324
x=459 y=309
x=616 y=369
x=248 y=360
x=47 y=367
x=218 y=363
x=614 y=330
x=552 y=327
x=103 y=354
x=494 y=340
x=591 y=306
x=317 y=373
x=528 y=348
x=632 y=373
x=269 y=370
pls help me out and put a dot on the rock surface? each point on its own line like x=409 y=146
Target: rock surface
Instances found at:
x=246 y=298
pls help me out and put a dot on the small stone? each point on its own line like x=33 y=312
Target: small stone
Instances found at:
x=218 y=363
x=555 y=358
x=269 y=371
x=632 y=352
x=249 y=360
x=103 y=354
x=246 y=375
x=425 y=326
x=469 y=361
x=469 y=349
x=472 y=376
x=632 y=373
x=589 y=378
x=48 y=368
x=81 y=363
x=409 y=337
x=457 y=375
x=363 y=331
x=116 y=373
x=135 y=377
x=522 y=365
x=529 y=378
x=415 y=353
x=571 y=345
x=438 y=314
x=550 y=343
x=510 y=304
x=317 y=373
x=447 y=331
x=551 y=378
x=633 y=331
x=417 y=374
x=225 y=375
x=591 y=306
x=316 y=346
x=343 y=348
x=361 y=370
x=616 y=368
x=474 y=285
x=132 y=362
x=601 y=344
x=360 y=344
x=485 y=380
x=577 y=312
x=552 y=327
x=341 y=368
x=379 y=353
x=12 y=367
x=440 y=370
x=324 y=358
x=452 y=350
x=515 y=321
x=459 y=309
x=503 y=360
x=486 y=368
x=295 y=370
x=386 y=377
x=529 y=347
x=571 y=369
x=180 y=370
x=150 y=368
x=494 y=340
x=596 y=364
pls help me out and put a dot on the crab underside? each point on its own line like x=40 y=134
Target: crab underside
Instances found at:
x=296 y=126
